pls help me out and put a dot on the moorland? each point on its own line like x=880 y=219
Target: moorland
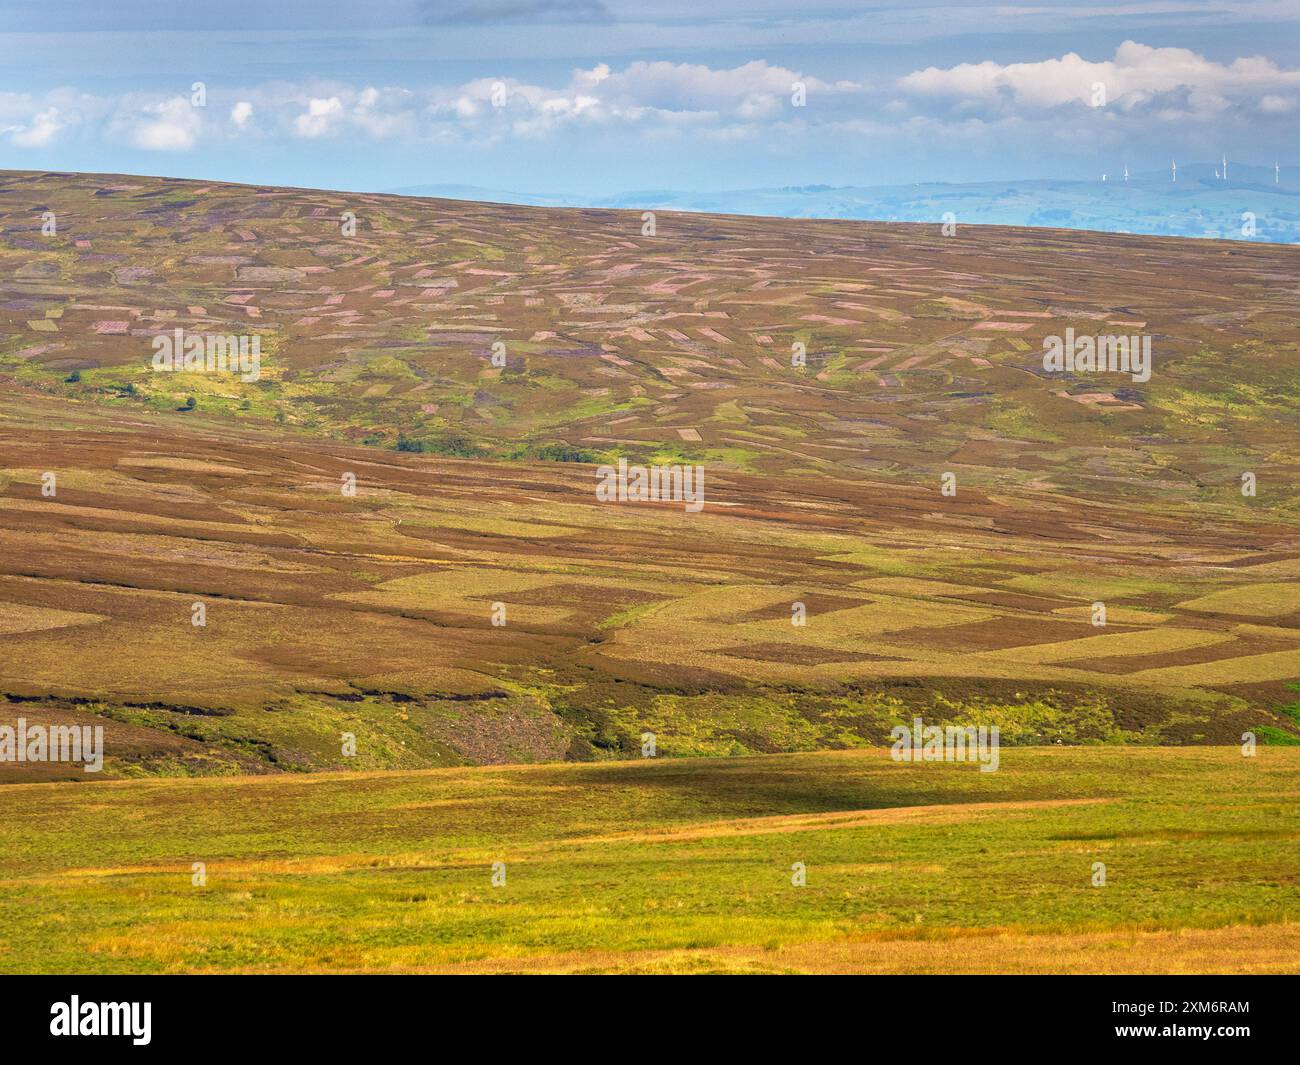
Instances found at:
x=417 y=459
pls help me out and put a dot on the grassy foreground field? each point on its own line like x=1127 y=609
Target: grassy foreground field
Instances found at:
x=677 y=865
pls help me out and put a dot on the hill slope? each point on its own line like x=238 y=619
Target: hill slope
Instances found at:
x=372 y=614
x=917 y=345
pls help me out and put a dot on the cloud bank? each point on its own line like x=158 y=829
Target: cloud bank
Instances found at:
x=1144 y=88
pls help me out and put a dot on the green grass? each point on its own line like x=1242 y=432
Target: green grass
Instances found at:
x=393 y=870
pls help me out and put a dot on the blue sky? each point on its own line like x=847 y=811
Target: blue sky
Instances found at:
x=603 y=96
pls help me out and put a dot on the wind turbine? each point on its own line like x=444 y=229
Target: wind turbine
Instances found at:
x=1277 y=174
x=1173 y=165
x=1225 y=166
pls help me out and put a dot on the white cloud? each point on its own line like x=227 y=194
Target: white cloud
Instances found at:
x=645 y=95
x=1146 y=88
x=1272 y=104
x=1137 y=76
x=316 y=122
x=40 y=132
x=169 y=126
x=690 y=87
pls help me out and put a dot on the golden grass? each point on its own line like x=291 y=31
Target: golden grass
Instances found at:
x=669 y=865
x=1241 y=949
x=1250 y=600
x=1112 y=645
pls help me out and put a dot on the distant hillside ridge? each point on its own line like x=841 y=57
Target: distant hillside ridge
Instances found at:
x=1254 y=203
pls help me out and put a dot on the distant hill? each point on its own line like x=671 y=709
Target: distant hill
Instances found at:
x=467 y=368
x=1198 y=204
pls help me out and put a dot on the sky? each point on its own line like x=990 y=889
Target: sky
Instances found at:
x=596 y=97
